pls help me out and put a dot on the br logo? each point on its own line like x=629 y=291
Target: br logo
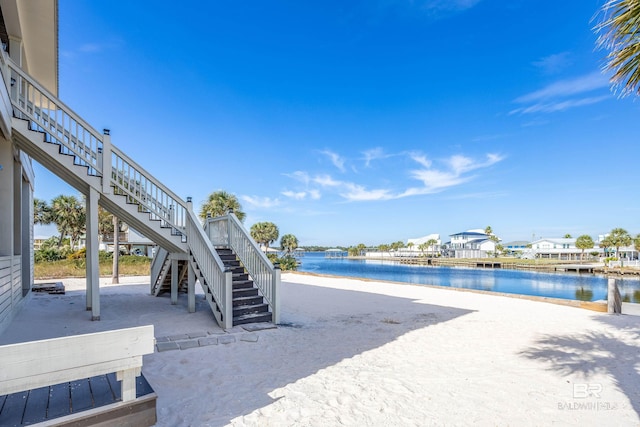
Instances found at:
x=583 y=391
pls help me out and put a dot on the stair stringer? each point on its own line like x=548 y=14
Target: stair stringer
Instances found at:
x=62 y=165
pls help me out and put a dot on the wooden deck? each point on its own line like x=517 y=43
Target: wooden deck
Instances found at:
x=79 y=403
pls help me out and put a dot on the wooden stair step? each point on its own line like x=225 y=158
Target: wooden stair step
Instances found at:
x=252 y=318
x=248 y=300
x=246 y=309
x=248 y=292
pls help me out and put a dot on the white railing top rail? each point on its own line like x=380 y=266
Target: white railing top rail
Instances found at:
x=148 y=176
x=238 y=225
x=58 y=103
x=201 y=236
x=78 y=137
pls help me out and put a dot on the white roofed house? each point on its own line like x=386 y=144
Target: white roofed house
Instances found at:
x=556 y=248
x=414 y=245
x=471 y=244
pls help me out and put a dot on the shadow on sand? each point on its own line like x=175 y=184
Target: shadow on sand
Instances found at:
x=320 y=327
x=597 y=352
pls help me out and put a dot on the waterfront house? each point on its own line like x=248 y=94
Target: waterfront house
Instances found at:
x=414 y=248
x=556 y=248
x=470 y=244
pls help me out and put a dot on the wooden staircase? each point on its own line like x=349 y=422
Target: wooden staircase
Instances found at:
x=55 y=136
x=248 y=304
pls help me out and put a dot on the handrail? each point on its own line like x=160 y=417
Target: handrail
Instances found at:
x=53 y=117
x=48 y=114
x=228 y=231
x=216 y=275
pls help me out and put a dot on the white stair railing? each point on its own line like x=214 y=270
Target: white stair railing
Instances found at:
x=47 y=114
x=217 y=277
x=227 y=231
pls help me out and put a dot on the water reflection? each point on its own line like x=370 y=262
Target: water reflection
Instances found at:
x=567 y=286
x=583 y=294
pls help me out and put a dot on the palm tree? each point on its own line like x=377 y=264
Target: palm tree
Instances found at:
x=488 y=231
x=584 y=242
x=219 y=203
x=430 y=244
x=289 y=243
x=264 y=233
x=361 y=247
x=68 y=213
x=619 y=237
x=605 y=244
x=41 y=212
x=423 y=247
x=618 y=34
x=410 y=245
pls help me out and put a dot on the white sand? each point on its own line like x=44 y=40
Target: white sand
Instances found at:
x=358 y=353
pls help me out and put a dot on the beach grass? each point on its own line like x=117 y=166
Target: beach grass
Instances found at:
x=128 y=266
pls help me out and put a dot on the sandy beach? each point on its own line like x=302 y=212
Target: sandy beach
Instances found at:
x=356 y=353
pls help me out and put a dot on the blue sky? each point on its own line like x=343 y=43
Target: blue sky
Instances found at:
x=363 y=121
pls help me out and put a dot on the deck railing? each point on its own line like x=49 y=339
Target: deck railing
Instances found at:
x=120 y=175
x=47 y=114
x=227 y=231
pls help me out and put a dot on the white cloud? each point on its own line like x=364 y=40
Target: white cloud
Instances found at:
x=335 y=158
x=563 y=95
x=552 y=107
x=575 y=86
x=375 y=154
x=261 y=202
x=357 y=193
x=420 y=158
x=449 y=5
x=299 y=176
x=436 y=180
x=451 y=171
x=326 y=181
x=553 y=64
x=300 y=195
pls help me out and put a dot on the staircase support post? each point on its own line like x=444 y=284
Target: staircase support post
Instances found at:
x=174 y=280
x=276 y=294
x=106 y=163
x=191 y=289
x=228 y=300
x=93 y=266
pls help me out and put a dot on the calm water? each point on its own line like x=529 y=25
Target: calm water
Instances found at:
x=584 y=287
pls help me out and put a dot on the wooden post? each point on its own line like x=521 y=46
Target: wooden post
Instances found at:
x=174 y=280
x=93 y=266
x=614 y=301
x=106 y=162
x=191 y=289
x=276 y=294
x=115 y=275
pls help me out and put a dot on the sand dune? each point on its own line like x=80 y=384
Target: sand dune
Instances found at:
x=353 y=352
